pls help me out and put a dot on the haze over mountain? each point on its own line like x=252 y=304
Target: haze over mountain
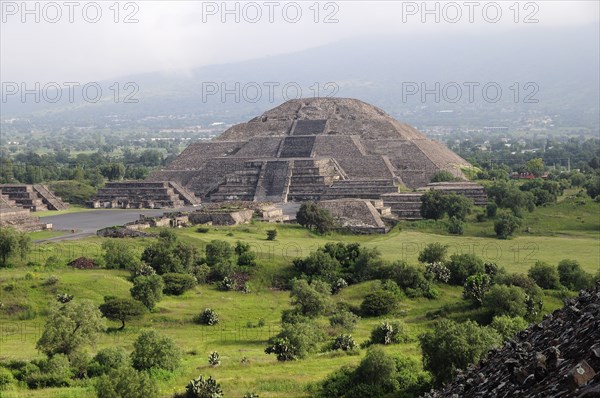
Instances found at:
x=560 y=64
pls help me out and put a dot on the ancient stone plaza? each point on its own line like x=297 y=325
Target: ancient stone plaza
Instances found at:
x=312 y=149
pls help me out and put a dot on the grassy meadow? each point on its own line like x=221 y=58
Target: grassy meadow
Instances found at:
x=568 y=229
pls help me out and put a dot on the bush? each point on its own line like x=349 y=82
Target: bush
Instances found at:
x=572 y=276
x=218 y=251
x=6 y=379
x=71 y=326
x=295 y=341
x=315 y=218
x=491 y=208
x=461 y=266
x=126 y=382
x=177 y=284
x=202 y=230
x=201 y=273
x=73 y=192
x=379 y=303
x=344 y=342
x=310 y=299
x=451 y=346
x=108 y=359
x=343 y=319
x=506 y=225
x=271 y=234
x=443 y=176
x=455 y=226
x=389 y=333
x=53 y=372
x=545 y=275
x=433 y=253
x=247 y=259
x=508 y=326
x=148 y=290
x=506 y=300
x=153 y=351
x=208 y=317
x=203 y=388
x=119 y=255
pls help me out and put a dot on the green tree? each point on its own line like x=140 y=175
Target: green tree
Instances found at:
x=452 y=346
x=122 y=309
x=126 y=382
x=433 y=205
x=545 y=275
x=313 y=217
x=433 y=253
x=8 y=244
x=148 y=290
x=535 y=167
x=506 y=225
x=218 y=251
x=295 y=341
x=461 y=266
x=69 y=327
x=177 y=284
x=458 y=206
x=153 y=351
x=380 y=302
x=508 y=326
x=572 y=276
x=119 y=255
x=593 y=187
x=506 y=300
x=310 y=299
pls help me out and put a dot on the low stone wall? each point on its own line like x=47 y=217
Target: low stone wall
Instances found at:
x=221 y=217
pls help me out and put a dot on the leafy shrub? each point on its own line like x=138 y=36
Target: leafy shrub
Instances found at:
x=126 y=382
x=443 y=176
x=153 y=351
x=506 y=225
x=344 y=342
x=545 y=275
x=572 y=276
x=455 y=226
x=119 y=255
x=208 y=317
x=316 y=218
x=148 y=290
x=64 y=298
x=108 y=359
x=201 y=273
x=491 y=208
x=433 y=253
x=271 y=234
x=310 y=299
x=508 y=326
x=451 y=346
x=379 y=303
x=227 y=284
x=389 y=333
x=6 y=379
x=53 y=372
x=202 y=230
x=177 y=284
x=218 y=251
x=338 y=285
x=295 y=341
x=461 y=266
x=506 y=300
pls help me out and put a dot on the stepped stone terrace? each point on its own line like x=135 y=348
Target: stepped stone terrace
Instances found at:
x=36 y=197
x=312 y=149
x=144 y=194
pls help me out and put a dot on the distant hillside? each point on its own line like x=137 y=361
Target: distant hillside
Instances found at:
x=563 y=63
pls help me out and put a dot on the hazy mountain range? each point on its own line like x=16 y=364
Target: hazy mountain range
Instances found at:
x=561 y=66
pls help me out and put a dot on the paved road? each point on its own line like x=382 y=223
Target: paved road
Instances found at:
x=88 y=222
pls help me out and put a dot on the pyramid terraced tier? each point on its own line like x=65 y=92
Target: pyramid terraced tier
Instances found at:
x=320 y=148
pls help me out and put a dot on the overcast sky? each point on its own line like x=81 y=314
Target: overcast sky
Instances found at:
x=176 y=36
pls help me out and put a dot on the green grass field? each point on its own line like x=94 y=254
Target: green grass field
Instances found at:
x=555 y=233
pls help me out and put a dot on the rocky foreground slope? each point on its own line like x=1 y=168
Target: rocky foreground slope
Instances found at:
x=559 y=357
